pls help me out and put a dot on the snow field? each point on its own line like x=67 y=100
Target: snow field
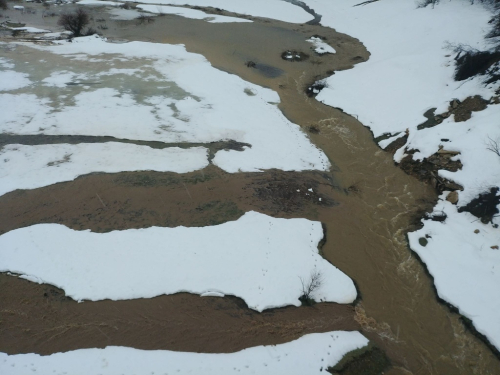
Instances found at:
x=31 y=167
x=257 y=258
x=410 y=70
x=465 y=267
x=310 y=354
x=208 y=105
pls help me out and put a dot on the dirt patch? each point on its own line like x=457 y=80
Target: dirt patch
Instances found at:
x=427 y=169
x=462 y=111
x=291 y=195
x=105 y=202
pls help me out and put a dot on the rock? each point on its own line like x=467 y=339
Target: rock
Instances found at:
x=495 y=247
x=476 y=231
x=452 y=197
x=454 y=104
x=422 y=241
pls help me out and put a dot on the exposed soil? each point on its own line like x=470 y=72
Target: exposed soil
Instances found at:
x=427 y=169
x=144 y=199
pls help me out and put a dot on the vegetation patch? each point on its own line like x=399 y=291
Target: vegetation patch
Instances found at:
x=484 y=206
x=370 y=360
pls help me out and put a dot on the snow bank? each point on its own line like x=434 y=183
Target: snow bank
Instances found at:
x=465 y=267
x=10 y=80
x=31 y=167
x=99 y=3
x=30 y=29
x=257 y=258
x=190 y=13
x=56 y=35
x=311 y=354
x=198 y=104
x=123 y=14
x=410 y=70
x=321 y=47
x=481 y=167
x=278 y=10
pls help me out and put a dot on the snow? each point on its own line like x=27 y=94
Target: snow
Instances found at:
x=98 y=3
x=123 y=14
x=278 y=10
x=257 y=258
x=20 y=7
x=465 y=268
x=198 y=104
x=56 y=35
x=190 y=13
x=30 y=29
x=310 y=354
x=31 y=167
x=10 y=80
x=321 y=47
x=410 y=69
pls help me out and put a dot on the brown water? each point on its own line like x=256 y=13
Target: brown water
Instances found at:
x=377 y=202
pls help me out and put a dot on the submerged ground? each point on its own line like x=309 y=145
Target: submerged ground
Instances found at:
x=365 y=202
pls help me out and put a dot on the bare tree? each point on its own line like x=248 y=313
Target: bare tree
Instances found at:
x=310 y=286
x=144 y=18
x=74 y=22
x=493 y=146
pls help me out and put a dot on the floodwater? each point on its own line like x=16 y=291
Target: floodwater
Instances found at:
x=372 y=206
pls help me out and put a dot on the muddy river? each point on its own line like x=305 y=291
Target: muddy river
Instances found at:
x=368 y=206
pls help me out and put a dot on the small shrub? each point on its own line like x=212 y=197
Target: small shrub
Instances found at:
x=3 y=4
x=143 y=18
x=75 y=22
x=471 y=63
x=309 y=287
x=484 y=206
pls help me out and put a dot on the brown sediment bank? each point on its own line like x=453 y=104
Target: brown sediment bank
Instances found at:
x=372 y=204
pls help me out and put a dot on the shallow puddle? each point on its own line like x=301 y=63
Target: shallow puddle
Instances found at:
x=372 y=204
